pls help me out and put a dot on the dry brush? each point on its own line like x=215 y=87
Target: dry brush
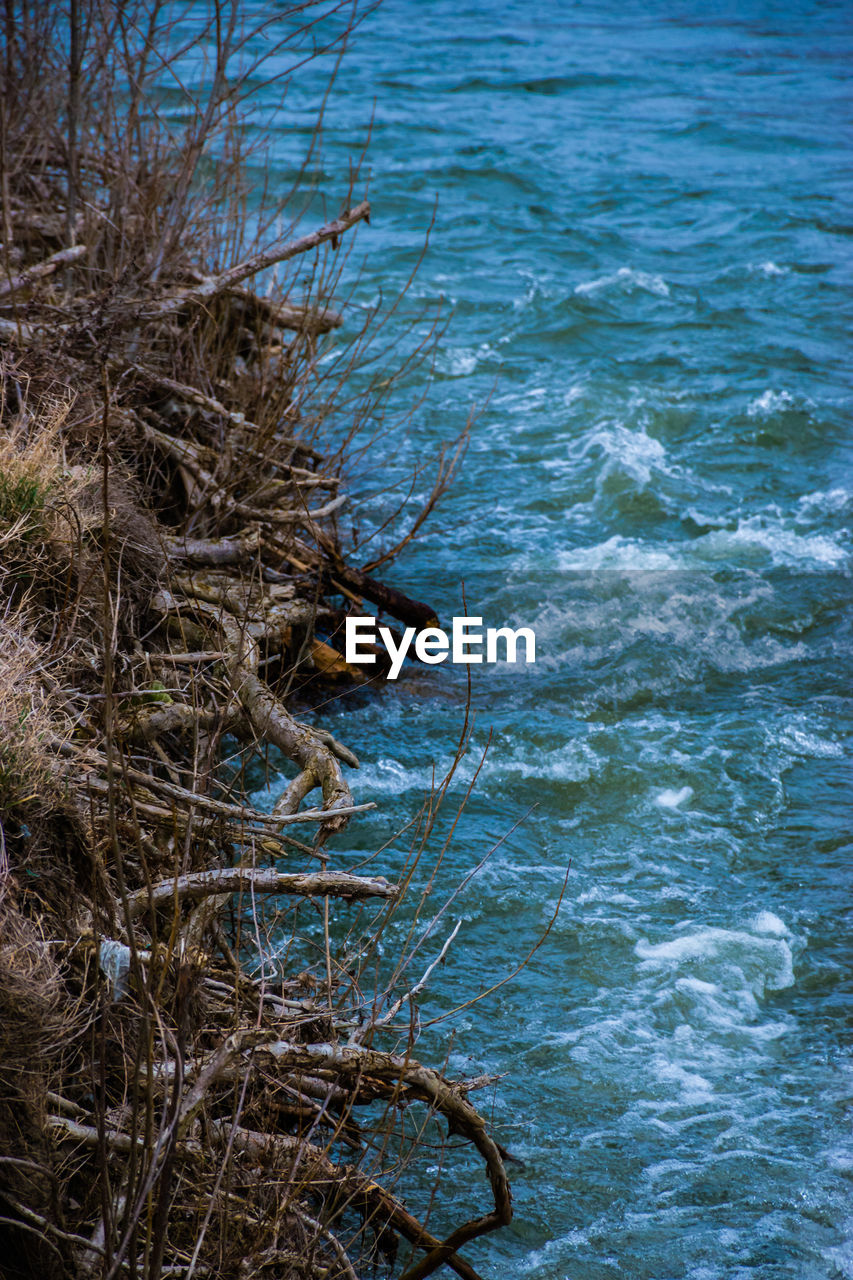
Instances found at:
x=171 y=560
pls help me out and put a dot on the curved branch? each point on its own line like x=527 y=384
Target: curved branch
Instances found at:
x=315 y=1166
x=354 y=1061
x=299 y=743
x=318 y=762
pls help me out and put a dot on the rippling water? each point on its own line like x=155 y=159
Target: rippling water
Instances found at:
x=644 y=230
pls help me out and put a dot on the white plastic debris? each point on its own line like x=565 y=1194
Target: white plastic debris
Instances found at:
x=114 y=958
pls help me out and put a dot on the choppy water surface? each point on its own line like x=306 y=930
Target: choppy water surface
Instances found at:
x=644 y=230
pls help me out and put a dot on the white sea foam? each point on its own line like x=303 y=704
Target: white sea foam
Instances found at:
x=698 y=623
x=756 y=539
x=627 y=280
x=769 y=269
x=635 y=453
x=770 y=402
x=673 y=799
x=603 y=893
x=771 y=538
x=459 y=362
x=762 y=960
x=841 y=1256
x=698 y=986
x=695 y=1089
x=720 y=1016
x=827 y=502
x=784 y=546
x=621 y=553
x=538 y=285
x=768 y=922
x=797 y=738
x=704 y=519
x=574 y=762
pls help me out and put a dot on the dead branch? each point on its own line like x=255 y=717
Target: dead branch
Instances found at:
x=200 y=884
x=213 y=286
x=39 y=270
x=315 y=1166
x=237 y=550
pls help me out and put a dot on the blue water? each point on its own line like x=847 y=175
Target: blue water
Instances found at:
x=642 y=228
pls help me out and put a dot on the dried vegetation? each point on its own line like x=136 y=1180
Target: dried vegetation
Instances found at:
x=170 y=551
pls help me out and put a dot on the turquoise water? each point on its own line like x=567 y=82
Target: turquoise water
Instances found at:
x=643 y=230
